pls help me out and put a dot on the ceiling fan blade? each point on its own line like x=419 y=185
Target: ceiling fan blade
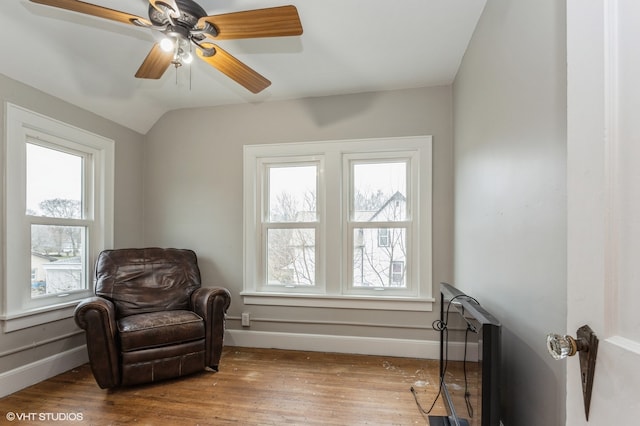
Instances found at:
x=234 y=69
x=92 y=9
x=170 y=3
x=271 y=22
x=155 y=64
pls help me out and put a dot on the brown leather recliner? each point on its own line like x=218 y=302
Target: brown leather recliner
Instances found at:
x=150 y=319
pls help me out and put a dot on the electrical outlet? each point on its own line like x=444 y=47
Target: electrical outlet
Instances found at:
x=246 y=319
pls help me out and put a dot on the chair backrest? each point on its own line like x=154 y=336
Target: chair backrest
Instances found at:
x=147 y=279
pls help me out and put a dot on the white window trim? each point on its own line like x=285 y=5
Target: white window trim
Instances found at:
x=334 y=295
x=17 y=310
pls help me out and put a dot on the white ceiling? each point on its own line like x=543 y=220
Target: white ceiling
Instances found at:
x=348 y=46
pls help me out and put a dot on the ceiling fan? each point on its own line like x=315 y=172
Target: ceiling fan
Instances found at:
x=186 y=25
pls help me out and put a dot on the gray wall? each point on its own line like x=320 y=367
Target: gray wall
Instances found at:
x=128 y=211
x=193 y=190
x=510 y=195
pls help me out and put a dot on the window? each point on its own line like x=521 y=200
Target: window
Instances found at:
x=397 y=272
x=383 y=237
x=379 y=216
x=290 y=226
x=59 y=215
x=55 y=214
x=339 y=224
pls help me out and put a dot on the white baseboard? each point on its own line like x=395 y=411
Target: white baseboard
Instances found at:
x=330 y=343
x=19 y=378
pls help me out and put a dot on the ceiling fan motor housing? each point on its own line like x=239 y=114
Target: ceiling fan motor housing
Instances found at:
x=190 y=13
x=185 y=25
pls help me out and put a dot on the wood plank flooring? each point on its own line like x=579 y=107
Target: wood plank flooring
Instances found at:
x=253 y=387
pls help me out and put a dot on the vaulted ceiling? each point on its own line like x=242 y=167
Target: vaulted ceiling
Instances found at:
x=348 y=46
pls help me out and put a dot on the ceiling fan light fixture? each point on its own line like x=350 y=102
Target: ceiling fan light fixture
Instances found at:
x=186 y=57
x=168 y=44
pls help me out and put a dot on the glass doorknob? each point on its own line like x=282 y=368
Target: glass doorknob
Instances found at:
x=586 y=343
x=560 y=346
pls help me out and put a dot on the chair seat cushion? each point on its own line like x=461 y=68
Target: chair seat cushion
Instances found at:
x=156 y=329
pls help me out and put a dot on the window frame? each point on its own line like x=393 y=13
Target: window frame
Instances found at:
x=333 y=291
x=86 y=219
x=410 y=223
x=23 y=126
x=264 y=164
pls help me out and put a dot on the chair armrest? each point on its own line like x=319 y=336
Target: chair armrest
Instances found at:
x=96 y=316
x=211 y=303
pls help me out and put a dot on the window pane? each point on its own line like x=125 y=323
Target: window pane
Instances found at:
x=291 y=257
x=54 y=183
x=292 y=193
x=379 y=191
x=57 y=259
x=376 y=265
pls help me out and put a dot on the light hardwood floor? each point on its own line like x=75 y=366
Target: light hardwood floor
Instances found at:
x=253 y=387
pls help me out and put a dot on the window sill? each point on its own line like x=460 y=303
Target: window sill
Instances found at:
x=388 y=303
x=21 y=320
